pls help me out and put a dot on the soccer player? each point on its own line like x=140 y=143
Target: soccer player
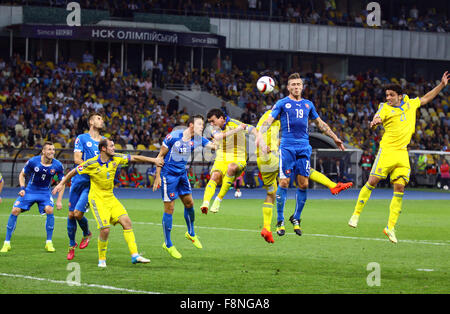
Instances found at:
x=398 y=117
x=176 y=149
x=86 y=146
x=40 y=170
x=268 y=165
x=294 y=113
x=106 y=208
x=230 y=158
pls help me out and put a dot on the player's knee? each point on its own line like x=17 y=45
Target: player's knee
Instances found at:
x=49 y=210
x=78 y=215
x=284 y=183
x=216 y=177
x=71 y=215
x=373 y=181
x=16 y=211
x=104 y=233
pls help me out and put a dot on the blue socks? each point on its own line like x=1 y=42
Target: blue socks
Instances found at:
x=49 y=226
x=167 y=228
x=10 y=227
x=71 y=230
x=83 y=222
x=189 y=216
x=281 y=200
x=300 y=196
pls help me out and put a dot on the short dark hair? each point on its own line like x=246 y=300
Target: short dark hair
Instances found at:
x=47 y=143
x=293 y=76
x=192 y=119
x=93 y=114
x=394 y=87
x=215 y=112
x=103 y=143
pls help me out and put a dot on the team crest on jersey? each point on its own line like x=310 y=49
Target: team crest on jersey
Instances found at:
x=288 y=105
x=52 y=172
x=114 y=164
x=172 y=194
x=89 y=144
x=36 y=169
x=177 y=144
x=307 y=106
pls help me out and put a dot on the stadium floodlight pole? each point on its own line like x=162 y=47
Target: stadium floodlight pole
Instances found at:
x=26 y=48
x=10 y=43
x=121 y=57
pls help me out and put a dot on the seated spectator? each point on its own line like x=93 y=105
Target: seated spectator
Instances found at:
x=124 y=180
x=136 y=178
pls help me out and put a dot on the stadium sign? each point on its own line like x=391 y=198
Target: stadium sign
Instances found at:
x=143 y=35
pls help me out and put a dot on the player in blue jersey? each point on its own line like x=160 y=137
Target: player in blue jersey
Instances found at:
x=294 y=114
x=176 y=150
x=86 y=146
x=40 y=170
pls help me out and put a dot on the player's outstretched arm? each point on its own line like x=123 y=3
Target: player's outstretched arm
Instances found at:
x=60 y=197
x=62 y=184
x=435 y=91
x=162 y=153
x=266 y=124
x=376 y=120
x=327 y=131
x=220 y=135
x=159 y=162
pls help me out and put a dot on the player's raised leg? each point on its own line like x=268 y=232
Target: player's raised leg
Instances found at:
x=363 y=197
x=210 y=189
x=335 y=188
x=233 y=171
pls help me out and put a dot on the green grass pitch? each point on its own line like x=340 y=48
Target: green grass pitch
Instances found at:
x=329 y=258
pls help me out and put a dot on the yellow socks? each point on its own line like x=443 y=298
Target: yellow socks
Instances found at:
x=320 y=178
x=267 y=215
x=131 y=241
x=102 y=248
x=363 y=197
x=209 y=191
x=395 y=209
x=226 y=184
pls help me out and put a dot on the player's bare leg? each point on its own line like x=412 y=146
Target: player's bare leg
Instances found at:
x=227 y=181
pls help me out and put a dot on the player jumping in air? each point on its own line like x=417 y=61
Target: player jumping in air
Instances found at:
x=294 y=114
x=398 y=117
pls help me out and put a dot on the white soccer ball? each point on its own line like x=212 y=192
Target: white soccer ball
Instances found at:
x=238 y=194
x=265 y=84
x=445 y=187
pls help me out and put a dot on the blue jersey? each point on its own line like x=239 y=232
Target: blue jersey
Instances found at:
x=179 y=151
x=294 y=117
x=40 y=176
x=89 y=147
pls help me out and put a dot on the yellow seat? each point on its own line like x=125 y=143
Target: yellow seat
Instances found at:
x=141 y=147
x=57 y=145
x=118 y=146
x=152 y=147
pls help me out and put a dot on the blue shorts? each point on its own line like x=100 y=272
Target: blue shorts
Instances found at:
x=42 y=198
x=173 y=185
x=78 y=196
x=295 y=161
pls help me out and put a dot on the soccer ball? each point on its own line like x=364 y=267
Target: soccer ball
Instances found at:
x=265 y=84
x=238 y=194
x=445 y=187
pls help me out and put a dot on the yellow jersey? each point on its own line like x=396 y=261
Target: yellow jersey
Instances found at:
x=102 y=174
x=272 y=136
x=234 y=147
x=399 y=123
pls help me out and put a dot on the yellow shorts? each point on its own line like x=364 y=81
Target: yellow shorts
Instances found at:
x=269 y=172
x=222 y=167
x=106 y=211
x=394 y=163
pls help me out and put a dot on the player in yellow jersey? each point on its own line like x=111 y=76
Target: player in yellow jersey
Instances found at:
x=268 y=165
x=398 y=117
x=106 y=208
x=231 y=155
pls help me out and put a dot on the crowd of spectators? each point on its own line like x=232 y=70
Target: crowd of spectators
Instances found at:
x=324 y=12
